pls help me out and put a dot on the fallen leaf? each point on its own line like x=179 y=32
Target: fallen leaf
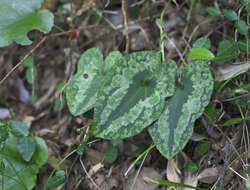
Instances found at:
x=208 y=175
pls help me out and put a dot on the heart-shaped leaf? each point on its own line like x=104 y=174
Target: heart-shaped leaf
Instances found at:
x=81 y=91
x=133 y=95
x=18 y=17
x=175 y=126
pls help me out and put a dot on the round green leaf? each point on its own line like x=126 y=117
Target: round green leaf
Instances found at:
x=81 y=90
x=201 y=53
x=202 y=42
x=175 y=125
x=230 y=14
x=133 y=95
x=241 y=27
x=18 y=17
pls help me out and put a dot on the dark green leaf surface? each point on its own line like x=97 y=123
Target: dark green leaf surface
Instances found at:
x=81 y=91
x=202 y=42
x=241 y=27
x=133 y=94
x=18 y=17
x=227 y=50
x=244 y=45
x=26 y=147
x=175 y=125
x=230 y=14
x=233 y=121
x=111 y=153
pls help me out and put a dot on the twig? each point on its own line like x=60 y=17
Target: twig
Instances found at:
x=20 y=62
x=126 y=26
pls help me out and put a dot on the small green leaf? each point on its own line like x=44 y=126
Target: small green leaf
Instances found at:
x=230 y=14
x=232 y=121
x=60 y=84
x=33 y=99
x=244 y=45
x=19 y=128
x=26 y=147
x=81 y=147
x=213 y=11
x=202 y=148
x=29 y=62
x=202 y=42
x=241 y=27
x=111 y=153
x=57 y=180
x=18 y=17
x=59 y=105
x=4 y=131
x=31 y=74
x=191 y=167
x=227 y=50
x=201 y=53
x=211 y=113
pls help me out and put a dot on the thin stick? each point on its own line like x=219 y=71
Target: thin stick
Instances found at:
x=125 y=25
x=20 y=62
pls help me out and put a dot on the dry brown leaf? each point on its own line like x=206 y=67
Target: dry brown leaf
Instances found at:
x=190 y=179
x=142 y=182
x=208 y=175
x=173 y=172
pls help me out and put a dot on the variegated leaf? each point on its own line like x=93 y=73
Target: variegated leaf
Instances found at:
x=81 y=91
x=133 y=95
x=175 y=126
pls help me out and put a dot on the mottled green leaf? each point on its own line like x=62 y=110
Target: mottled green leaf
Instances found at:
x=133 y=95
x=81 y=91
x=213 y=11
x=202 y=42
x=57 y=180
x=241 y=27
x=26 y=147
x=227 y=50
x=201 y=53
x=230 y=14
x=18 y=17
x=175 y=125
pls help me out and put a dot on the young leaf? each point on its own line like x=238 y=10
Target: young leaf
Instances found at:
x=233 y=121
x=201 y=53
x=134 y=95
x=227 y=50
x=19 y=128
x=111 y=153
x=81 y=91
x=213 y=11
x=241 y=27
x=202 y=42
x=18 y=17
x=175 y=125
x=230 y=14
x=31 y=74
x=57 y=180
x=26 y=147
